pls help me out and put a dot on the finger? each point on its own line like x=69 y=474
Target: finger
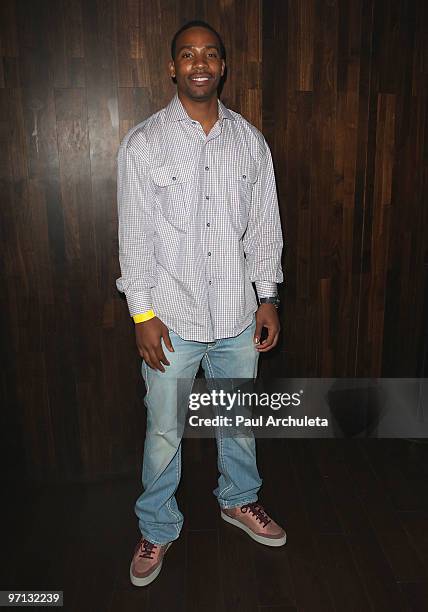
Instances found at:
x=275 y=340
x=267 y=347
x=167 y=341
x=271 y=334
x=149 y=362
x=257 y=332
x=154 y=361
x=147 y=357
x=267 y=341
x=161 y=356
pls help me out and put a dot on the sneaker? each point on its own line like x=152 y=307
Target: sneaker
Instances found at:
x=147 y=562
x=253 y=519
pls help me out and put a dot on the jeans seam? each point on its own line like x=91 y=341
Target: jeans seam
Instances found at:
x=220 y=449
x=178 y=476
x=175 y=515
x=147 y=378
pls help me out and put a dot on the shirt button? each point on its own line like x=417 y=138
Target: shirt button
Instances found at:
x=207 y=167
x=194 y=122
x=244 y=176
x=174 y=178
x=207 y=197
x=209 y=253
x=208 y=224
x=209 y=282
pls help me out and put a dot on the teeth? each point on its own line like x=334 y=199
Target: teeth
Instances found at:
x=200 y=79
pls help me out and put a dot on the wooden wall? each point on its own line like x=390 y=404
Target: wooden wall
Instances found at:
x=340 y=91
x=345 y=110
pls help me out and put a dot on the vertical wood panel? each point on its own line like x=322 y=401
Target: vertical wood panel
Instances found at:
x=380 y=232
x=45 y=393
x=132 y=58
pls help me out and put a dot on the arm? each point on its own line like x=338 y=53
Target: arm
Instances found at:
x=136 y=231
x=136 y=255
x=263 y=248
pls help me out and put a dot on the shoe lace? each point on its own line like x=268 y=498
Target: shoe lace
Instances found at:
x=146 y=549
x=258 y=512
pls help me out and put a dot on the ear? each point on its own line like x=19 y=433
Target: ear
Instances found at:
x=223 y=66
x=171 y=69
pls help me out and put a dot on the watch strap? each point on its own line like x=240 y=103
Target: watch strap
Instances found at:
x=270 y=300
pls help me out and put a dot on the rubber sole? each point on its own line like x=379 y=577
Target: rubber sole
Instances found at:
x=254 y=536
x=139 y=582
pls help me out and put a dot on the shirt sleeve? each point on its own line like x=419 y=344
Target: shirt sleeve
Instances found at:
x=262 y=240
x=136 y=231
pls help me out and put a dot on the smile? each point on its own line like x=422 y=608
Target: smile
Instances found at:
x=200 y=79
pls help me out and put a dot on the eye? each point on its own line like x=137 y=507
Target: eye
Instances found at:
x=186 y=54
x=212 y=54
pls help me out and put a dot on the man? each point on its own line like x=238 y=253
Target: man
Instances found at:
x=198 y=223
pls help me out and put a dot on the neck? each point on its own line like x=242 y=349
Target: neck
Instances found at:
x=204 y=111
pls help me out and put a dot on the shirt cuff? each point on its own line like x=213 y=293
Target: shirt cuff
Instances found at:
x=139 y=303
x=266 y=289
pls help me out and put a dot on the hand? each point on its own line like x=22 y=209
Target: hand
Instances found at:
x=267 y=316
x=148 y=336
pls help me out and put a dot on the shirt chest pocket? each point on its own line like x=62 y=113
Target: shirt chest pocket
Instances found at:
x=173 y=194
x=240 y=196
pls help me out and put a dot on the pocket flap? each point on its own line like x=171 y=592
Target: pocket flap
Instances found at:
x=171 y=175
x=248 y=173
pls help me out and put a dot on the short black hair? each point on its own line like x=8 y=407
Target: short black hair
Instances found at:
x=196 y=23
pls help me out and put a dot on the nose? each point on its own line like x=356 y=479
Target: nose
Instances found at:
x=200 y=61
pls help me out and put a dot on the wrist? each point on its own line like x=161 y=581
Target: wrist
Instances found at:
x=145 y=316
x=273 y=300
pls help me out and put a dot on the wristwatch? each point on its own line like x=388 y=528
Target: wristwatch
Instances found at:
x=271 y=300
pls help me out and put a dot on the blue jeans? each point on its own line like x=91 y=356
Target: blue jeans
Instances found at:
x=159 y=518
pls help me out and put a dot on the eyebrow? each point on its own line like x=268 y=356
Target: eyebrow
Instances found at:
x=194 y=47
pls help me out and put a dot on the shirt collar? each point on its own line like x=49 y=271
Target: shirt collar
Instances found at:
x=175 y=111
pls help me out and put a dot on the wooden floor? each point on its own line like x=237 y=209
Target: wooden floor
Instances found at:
x=356 y=513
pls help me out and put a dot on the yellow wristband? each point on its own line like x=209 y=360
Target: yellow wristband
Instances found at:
x=145 y=316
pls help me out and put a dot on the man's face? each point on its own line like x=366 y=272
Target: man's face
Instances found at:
x=197 y=65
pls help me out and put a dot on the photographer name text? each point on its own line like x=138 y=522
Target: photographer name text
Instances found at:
x=259 y=421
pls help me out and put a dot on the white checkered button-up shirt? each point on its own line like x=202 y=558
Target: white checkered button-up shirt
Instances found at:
x=198 y=222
